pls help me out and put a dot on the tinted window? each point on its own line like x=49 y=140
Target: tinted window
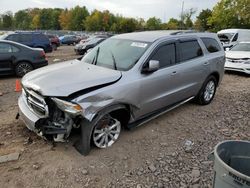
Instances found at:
x=165 y=55
x=211 y=44
x=190 y=50
x=25 y=38
x=14 y=37
x=235 y=37
x=41 y=38
x=5 y=48
x=14 y=49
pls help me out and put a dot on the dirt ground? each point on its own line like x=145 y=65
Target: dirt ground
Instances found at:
x=153 y=155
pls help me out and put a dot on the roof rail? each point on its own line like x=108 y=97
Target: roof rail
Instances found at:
x=183 y=32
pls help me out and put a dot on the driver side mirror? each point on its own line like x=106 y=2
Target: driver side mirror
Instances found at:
x=151 y=66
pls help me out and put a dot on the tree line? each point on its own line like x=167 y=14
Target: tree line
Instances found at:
x=225 y=14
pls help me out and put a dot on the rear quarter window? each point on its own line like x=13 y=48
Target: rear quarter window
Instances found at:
x=190 y=50
x=42 y=38
x=211 y=45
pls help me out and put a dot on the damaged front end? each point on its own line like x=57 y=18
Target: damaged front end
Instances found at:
x=51 y=118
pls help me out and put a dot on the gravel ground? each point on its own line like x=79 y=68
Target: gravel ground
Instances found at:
x=170 y=151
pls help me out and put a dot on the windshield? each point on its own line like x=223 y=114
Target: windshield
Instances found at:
x=93 y=41
x=225 y=37
x=118 y=54
x=241 y=47
x=2 y=37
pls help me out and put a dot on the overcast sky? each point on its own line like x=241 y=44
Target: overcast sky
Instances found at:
x=163 y=9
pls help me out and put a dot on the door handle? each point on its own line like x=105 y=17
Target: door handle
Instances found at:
x=206 y=63
x=174 y=73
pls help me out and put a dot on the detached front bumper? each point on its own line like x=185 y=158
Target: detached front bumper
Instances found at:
x=28 y=117
x=239 y=67
x=41 y=126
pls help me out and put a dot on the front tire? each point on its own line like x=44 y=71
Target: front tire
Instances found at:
x=102 y=132
x=106 y=132
x=22 y=68
x=207 y=92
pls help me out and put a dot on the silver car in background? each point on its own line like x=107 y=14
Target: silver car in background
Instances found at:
x=123 y=82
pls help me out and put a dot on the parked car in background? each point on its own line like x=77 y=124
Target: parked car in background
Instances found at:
x=69 y=39
x=19 y=59
x=81 y=49
x=31 y=39
x=230 y=37
x=238 y=58
x=126 y=80
x=54 y=40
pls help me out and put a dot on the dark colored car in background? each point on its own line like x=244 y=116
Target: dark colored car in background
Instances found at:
x=54 y=40
x=31 y=39
x=69 y=39
x=19 y=59
x=81 y=49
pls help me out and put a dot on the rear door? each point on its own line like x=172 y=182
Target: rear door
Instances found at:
x=192 y=67
x=27 y=39
x=6 y=58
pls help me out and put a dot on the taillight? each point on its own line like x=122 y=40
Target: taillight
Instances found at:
x=43 y=55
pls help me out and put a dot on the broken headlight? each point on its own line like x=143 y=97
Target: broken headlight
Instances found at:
x=71 y=108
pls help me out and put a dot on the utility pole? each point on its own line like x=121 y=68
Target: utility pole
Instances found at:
x=182 y=18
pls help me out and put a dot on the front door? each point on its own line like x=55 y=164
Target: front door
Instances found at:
x=158 y=88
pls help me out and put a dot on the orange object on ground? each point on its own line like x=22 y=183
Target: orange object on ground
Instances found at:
x=18 y=86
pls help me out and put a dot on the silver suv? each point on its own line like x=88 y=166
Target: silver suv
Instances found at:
x=125 y=81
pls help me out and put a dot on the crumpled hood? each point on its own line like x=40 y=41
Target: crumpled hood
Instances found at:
x=63 y=79
x=237 y=54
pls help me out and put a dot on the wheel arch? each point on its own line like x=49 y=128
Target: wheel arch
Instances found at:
x=217 y=77
x=23 y=61
x=120 y=111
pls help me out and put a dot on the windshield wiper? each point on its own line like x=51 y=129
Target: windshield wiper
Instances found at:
x=114 y=61
x=96 y=56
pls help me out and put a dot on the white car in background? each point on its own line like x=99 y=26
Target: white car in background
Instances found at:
x=238 y=58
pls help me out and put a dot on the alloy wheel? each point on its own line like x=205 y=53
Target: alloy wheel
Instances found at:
x=209 y=91
x=106 y=132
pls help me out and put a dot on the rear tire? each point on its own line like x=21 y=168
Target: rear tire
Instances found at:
x=207 y=92
x=22 y=68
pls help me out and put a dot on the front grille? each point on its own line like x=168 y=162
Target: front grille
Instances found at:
x=36 y=103
x=234 y=60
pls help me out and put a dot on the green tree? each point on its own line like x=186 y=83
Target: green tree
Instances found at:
x=78 y=15
x=46 y=18
x=230 y=14
x=55 y=24
x=22 y=19
x=94 y=22
x=201 y=22
x=7 y=20
x=153 y=23
x=128 y=25
x=172 y=24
